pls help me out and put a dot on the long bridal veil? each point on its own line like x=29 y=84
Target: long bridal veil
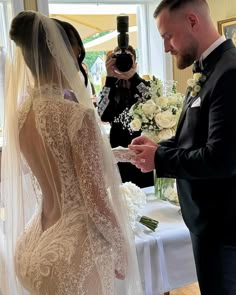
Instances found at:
x=44 y=59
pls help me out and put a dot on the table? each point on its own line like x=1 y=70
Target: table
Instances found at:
x=165 y=256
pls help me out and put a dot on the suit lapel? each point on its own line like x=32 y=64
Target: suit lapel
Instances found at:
x=188 y=100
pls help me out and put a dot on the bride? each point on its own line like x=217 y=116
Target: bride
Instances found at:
x=58 y=164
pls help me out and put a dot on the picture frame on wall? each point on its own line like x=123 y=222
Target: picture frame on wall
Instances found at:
x=227 y=28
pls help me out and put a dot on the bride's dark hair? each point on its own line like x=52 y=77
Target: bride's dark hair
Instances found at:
x=75 y=39
x=22 y=33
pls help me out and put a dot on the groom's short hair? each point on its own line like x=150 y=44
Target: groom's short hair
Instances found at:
x=173 y=5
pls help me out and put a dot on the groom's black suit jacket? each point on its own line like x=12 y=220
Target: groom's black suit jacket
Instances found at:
x=202 y=155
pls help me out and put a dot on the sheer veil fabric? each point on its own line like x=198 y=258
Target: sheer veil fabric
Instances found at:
x=66 y=228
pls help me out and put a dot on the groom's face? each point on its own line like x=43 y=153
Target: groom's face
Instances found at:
x=178 y=38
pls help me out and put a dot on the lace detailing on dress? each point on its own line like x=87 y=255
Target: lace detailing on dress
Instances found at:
x=95 y=193
x=85 y=245
x=46 y=260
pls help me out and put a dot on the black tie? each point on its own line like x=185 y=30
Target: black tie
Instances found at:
x=197 y=67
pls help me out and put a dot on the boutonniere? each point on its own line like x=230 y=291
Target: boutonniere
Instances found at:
x=195 y=84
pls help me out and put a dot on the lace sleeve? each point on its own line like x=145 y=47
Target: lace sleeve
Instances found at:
x=88 y=159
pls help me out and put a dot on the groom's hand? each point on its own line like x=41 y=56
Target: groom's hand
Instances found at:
x=141 y=140
x=145 y=150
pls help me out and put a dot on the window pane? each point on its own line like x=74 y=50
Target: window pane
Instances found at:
x=3 y=45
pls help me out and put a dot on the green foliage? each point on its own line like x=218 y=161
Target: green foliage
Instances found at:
x=90 y=57
x=93 y=37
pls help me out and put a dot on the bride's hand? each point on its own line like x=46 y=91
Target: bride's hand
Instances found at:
x=119 y=276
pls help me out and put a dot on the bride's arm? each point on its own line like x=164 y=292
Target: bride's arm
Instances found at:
x=87 y=154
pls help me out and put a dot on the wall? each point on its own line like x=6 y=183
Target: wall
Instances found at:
x=220 y=10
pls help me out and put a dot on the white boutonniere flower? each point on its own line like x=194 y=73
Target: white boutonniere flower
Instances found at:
x=195 y=84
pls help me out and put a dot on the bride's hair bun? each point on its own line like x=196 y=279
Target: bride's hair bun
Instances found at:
x=21 y=28
x=28 y=33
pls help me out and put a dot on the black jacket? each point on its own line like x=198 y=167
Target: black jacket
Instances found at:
x=202 y=155
x=113 y=100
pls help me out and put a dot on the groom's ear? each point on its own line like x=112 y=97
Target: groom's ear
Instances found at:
x=193 y=20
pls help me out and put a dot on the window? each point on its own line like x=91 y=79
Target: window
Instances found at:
x=8 y=8
x=96 y=24
x=3 y=49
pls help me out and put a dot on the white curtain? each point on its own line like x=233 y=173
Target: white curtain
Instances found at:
x=153 y=59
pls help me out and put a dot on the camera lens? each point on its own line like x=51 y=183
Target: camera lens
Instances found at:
x=124 y=61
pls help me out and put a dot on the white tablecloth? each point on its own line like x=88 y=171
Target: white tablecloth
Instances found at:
x=165 y=256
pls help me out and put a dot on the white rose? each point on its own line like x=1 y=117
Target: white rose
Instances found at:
x=149 y=107
x=193 y=93
x=173 y=100
x=165 y=134
x=161 y=101
x=197 y=88
x=197 y=76
x=191 y=82
x=135 y=124
x=166 y=119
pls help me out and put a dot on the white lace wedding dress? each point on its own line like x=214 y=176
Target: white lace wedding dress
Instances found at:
x=80 y=251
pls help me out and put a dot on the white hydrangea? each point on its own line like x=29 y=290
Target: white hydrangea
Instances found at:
x=135 y=199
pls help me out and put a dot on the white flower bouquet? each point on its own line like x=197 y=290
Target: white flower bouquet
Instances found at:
x=157 y=114
x=157 y=117
x=135 y=199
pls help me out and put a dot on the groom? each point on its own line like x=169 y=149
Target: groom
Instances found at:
x=202 y=155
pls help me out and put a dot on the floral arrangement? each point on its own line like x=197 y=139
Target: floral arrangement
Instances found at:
x=157 y=114
x=195 y=83
x=135 y=198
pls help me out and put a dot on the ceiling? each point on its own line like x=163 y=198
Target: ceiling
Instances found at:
x=89 y=25
x=109 y=41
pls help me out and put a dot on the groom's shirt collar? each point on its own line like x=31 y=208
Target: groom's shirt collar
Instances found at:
x=213 y=46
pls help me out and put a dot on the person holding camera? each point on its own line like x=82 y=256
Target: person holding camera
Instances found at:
x=121 y=90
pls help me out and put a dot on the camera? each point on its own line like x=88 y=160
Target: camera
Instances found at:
x=124 y=60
